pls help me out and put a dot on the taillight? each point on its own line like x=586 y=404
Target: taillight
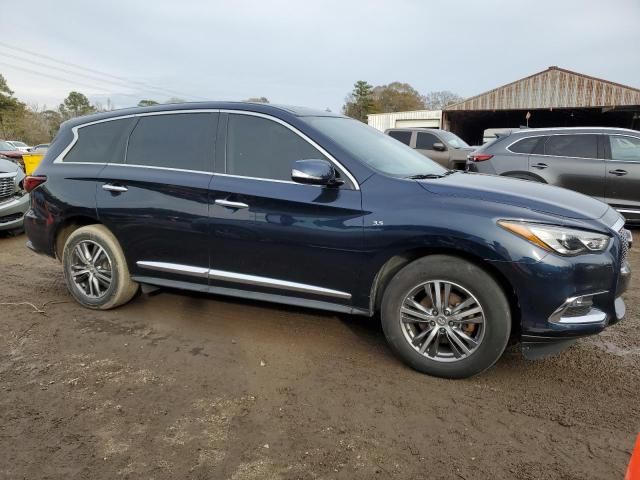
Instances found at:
x=32 y=181
x=480 y=157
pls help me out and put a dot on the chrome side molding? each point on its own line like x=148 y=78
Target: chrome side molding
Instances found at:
x=242 y=278
x=175 y=268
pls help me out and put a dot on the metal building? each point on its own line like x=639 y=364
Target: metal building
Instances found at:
x=552 y=98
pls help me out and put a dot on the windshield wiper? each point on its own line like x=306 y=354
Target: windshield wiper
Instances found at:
x=423 y=176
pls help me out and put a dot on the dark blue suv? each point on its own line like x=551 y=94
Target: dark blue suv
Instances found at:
x=310 y=208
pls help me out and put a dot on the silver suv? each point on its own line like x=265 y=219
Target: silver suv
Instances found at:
x=14 y=201
x=597 y=161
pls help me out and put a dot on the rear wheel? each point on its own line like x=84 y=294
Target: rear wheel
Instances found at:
x=446 y=317
x=95 y=269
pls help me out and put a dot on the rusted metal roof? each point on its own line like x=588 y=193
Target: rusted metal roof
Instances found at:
x=553 y=88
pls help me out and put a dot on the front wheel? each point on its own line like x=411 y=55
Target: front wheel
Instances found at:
x=446 y=317
x=95 y=269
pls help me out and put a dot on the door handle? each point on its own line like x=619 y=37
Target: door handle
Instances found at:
x=619 y=172
x=540 y=166
x=229 y=204
x=114 y=188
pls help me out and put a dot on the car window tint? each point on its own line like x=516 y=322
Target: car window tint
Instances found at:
x=404 y=137
x=625 y=148
x=183 y=140
x=101 y=142
x=262 y=148
x=425 y=141
x=583 y=146
x=526 y=145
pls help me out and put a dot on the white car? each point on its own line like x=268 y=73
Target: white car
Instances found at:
x=23 y=147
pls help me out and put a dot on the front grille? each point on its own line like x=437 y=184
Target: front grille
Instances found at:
x=10 y=218
x=625 y=237
x=7 y=186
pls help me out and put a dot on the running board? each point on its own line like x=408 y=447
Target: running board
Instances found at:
x=251 y=295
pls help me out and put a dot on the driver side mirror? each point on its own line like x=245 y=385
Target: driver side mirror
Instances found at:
x=315 y=172
x=439 y=147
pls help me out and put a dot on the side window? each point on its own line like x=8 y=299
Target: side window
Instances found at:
x=181 y=140
x=526 y=145
x=101 y=142
x=425 y=141
x=625 y=148
x=404 y=137
x=583 y=146
x=262 y=148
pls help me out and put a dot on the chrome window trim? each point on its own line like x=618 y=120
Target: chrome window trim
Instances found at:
x=242 y=278
x=60 y=158
x=551 y=135
x=171 y=169
x=330 y=157
x=263 y=179
x=74 y=130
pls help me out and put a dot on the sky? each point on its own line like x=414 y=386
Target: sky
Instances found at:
x=304 y=52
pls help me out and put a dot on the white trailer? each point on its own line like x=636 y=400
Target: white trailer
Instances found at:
x=417 y=118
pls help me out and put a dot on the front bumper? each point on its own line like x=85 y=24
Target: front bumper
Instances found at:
x=561 y=299
x=12 y=212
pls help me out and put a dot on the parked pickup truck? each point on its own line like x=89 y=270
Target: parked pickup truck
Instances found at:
x=444 y=147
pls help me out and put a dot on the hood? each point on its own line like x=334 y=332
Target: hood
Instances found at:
x=12 y=153
x=7 y=166
x=521 y=193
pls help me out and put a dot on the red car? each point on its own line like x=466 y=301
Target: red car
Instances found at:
x=8 y=150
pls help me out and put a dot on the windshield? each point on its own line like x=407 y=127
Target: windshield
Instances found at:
x=453 y=140
x=19 y=144
x=374 y=148
x=6 y=146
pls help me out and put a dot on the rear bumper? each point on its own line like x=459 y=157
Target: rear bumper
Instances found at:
x=12 y=212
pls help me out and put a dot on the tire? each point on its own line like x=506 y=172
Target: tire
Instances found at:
x=105 y=296
x=445 y=356
x=15 y=232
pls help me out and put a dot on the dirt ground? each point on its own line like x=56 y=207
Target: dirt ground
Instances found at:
x=179 y=385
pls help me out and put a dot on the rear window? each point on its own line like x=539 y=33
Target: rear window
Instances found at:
x=404 y=137
x=101 y=142
x=582 y=146
x=526 y=145
x=182 y=140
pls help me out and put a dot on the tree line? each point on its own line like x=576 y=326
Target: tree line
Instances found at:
x=34 y=124
x=366 y=99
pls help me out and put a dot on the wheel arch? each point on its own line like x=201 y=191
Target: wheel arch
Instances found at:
x=523 y=175
x=394 y=264
x=67 y=227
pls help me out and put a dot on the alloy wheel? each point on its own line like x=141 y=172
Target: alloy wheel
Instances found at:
x=91 y=269
x=442 y=321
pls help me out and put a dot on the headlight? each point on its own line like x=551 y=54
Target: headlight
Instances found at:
x=562 y=240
